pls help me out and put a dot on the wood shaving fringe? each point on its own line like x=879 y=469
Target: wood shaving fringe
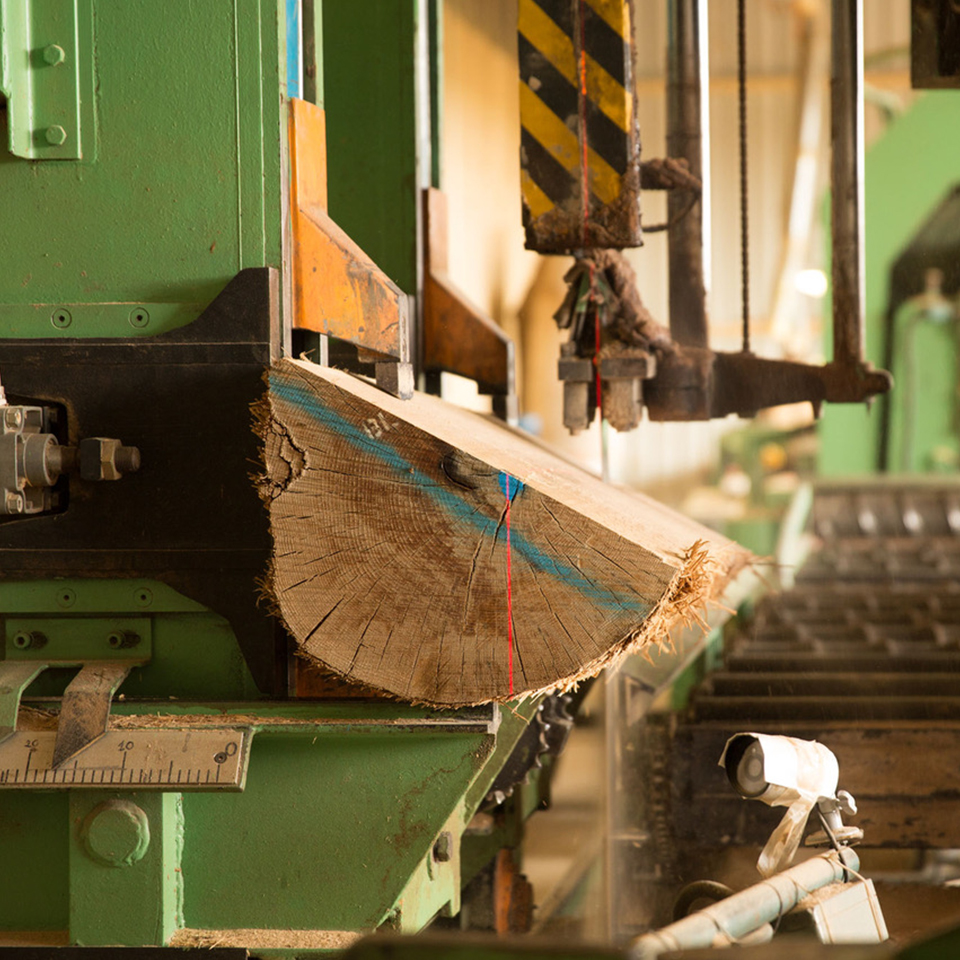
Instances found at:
x=699 y=581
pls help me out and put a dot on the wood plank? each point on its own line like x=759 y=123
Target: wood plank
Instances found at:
x=390 y=522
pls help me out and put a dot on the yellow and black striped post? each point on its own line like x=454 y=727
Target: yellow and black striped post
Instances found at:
x=580 y=141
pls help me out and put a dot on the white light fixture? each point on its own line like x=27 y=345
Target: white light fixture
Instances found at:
x=812 y=283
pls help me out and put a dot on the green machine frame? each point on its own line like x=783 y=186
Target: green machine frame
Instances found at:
x=144 y=167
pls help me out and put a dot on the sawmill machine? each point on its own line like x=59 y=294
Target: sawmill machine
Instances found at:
x=195 y=744
x=227 y=717
x=165 y=761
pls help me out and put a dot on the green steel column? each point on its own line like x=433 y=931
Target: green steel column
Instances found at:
x=312 y=19
x=370 y=97
x=126 y=887
x=179 y=183
x=925 y=141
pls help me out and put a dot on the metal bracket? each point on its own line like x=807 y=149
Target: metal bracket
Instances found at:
x=338 y=290
x=31 y=459
x=15 y=677
x=85 y=708
x=457 y=336
x=104 y=649
x=46 y=73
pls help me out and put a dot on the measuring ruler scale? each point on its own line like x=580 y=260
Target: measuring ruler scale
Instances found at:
x=207 y=758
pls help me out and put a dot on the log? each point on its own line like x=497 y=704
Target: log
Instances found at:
x=446 y=559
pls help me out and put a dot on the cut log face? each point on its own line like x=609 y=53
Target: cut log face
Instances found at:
x=443 y=558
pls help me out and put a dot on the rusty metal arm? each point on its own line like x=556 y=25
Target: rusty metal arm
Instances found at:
x=693 y=383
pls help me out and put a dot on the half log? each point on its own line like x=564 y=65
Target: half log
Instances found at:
x=446 y=559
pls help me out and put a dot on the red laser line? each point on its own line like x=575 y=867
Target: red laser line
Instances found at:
x=585 y=194
x=509 y=596
x=584 y=168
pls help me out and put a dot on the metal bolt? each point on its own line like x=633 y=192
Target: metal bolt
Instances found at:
x=54 y=54
x=55 y=135
x=14 y=503
x=122 y=639
x=127 y=459
x=139 y=318
x=61 y=318
x=13 y=417
x=443 y=848
x=116 y=833
x=66 y=597
x=29 y=640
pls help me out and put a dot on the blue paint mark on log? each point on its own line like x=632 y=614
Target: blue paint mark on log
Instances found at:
x=307 y=402
x=510 y=486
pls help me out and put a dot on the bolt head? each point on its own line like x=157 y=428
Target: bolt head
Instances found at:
x=54 y=54
x=443 y=848
x=116 y=833
x=13 y=417
x=55 y=135
x=14 y=503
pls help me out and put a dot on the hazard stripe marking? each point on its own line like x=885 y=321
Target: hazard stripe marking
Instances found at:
x=577 y=110
x=604 y=44
x=541 y=32
x=561 y=97
x=554 y=180
x=540 y=121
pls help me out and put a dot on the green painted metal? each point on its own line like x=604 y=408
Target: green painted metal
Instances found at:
x=908 y=171
x=435 y=40
x=35 y=835
x=353 y=813
x=194 y=651
x=924 y=423
x=337 y=827
x=46 y=74
x=184 y=188
x=137 y=903
x=75 y=639
x=371 y=106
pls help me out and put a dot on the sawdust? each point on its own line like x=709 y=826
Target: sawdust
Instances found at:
x=32 y=720
x=267 y=939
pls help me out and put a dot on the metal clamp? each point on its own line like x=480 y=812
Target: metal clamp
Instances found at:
x=32 y=460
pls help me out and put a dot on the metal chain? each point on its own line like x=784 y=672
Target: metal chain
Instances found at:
x=744 y=221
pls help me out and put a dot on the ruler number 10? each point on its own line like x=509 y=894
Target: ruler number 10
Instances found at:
x=228 y=751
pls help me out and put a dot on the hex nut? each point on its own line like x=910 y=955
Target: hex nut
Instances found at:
x=55 y=135
x=103 y=458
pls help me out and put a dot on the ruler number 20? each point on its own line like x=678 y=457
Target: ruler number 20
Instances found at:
x=228 y=751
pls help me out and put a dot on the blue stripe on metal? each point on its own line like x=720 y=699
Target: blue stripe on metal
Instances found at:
x=449 y=501
x=293 y=48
